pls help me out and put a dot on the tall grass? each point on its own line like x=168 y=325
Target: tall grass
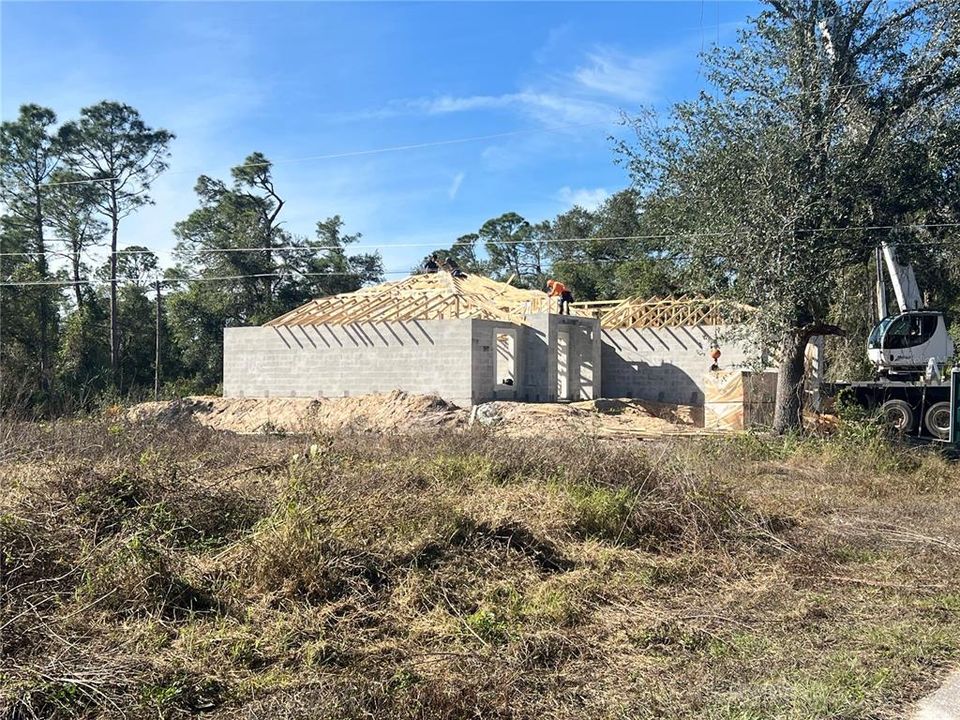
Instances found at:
x=164 y=571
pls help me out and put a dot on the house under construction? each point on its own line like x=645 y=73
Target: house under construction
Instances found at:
x=471 y=339
x=467 y=339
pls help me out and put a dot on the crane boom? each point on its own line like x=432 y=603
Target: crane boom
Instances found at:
x=903 y=279
x=882 y=310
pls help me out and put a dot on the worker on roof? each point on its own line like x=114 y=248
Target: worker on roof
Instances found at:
x=453 y=267
x=555 y=288
x=431 y=265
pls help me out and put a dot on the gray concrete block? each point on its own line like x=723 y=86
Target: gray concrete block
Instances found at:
x=664 y=364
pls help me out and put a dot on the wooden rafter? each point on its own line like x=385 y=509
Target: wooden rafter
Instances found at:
x=422 y=297
x=685 y=310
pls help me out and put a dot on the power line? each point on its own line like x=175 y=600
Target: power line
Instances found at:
x=292 y=272
x=545 y=241
x=361 y=246
x=175 y=280
x=78 y=182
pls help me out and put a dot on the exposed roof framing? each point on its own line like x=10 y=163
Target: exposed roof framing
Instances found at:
x=683 y=310
x=432 y=296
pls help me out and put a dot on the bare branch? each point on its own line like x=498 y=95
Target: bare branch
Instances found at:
x=884 y=27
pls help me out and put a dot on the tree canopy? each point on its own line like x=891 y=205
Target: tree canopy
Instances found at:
x=823 y=122
x=255 y=269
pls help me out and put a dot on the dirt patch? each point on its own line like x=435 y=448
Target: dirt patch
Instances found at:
x=394 y=412
x=400 y=412
x=606 y=417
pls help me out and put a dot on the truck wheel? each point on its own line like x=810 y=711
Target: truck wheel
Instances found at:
x=937 y=420
x=898 y=415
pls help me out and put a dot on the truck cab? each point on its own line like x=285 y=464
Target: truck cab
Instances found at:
x=903 y=344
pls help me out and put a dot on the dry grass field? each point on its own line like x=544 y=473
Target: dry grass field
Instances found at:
x=166 y=571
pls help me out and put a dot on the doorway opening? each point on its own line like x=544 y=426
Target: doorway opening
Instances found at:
x=506 y=369
x=563 y=365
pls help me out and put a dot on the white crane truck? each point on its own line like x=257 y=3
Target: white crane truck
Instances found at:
x=908 y=349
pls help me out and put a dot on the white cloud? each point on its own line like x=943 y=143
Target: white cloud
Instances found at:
x=634 y=78
x=549 y=108
x=587 y=198
x=552 y=108
x=450 y=104
x=455 y=184
x=556 y=44
x=592 y=92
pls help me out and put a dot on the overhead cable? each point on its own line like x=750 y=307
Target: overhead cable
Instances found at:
x=546 y=241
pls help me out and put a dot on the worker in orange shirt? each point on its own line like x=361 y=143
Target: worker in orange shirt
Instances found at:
x=555 y=288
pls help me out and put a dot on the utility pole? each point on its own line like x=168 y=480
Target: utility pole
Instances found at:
x=114 y=323
x=156 y=359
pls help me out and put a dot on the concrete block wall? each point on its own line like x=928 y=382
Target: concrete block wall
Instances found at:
x=485 y=382
x=541 y=357
x=420 y=356
x=584 y=356
x=455 y=359
x=665 y=364
x=538 y=378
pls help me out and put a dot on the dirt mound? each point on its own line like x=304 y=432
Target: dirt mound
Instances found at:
x=601 y=417
x=400 y=412
x=394 y=412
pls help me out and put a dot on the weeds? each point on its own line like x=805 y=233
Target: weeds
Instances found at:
x=165 y=571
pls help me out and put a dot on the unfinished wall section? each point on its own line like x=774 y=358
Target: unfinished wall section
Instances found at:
x=666 y=364
x=499 y=353
x=585 y=357
x=563 y=358
x=464 y=360
x=418 y=356
x=539 y=373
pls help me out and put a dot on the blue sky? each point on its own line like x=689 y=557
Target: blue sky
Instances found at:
x=299 y=81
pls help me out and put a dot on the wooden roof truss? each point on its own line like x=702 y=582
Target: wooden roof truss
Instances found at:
x=684 y=310
x=433 y=296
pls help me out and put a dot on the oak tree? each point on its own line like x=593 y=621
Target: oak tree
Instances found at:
x=772 y=175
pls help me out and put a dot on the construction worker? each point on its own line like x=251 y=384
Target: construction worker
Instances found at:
x=431 y=265
x=555 y=288
x=715 y=356
x=452 y=267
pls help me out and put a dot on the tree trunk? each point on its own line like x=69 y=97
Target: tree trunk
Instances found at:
x=76 y=277
x=788 y=414
x=789 y=406
x=43 y=309
x=114 y=327
x=156 y=359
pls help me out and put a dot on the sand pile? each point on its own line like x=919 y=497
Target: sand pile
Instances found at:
x=400 y=412
x=394 y=412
